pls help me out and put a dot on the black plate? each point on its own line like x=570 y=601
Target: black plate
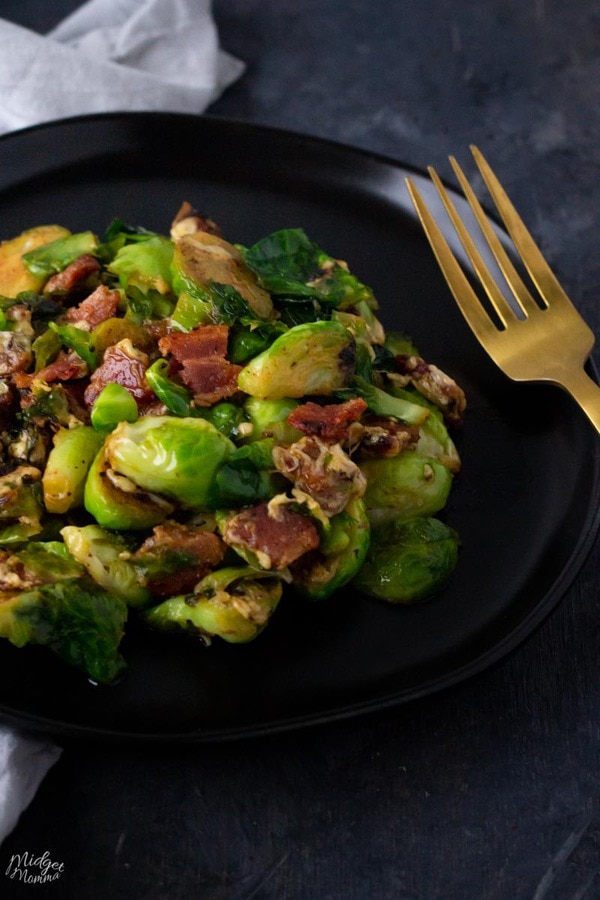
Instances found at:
x=526 y=503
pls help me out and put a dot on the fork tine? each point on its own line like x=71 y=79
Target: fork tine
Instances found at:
x=497 y=299
x=466 y=298
x=541 y=274
x=512 y=277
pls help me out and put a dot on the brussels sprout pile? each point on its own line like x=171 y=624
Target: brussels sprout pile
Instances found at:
x=189 y=426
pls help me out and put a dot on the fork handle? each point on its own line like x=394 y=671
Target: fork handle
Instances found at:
x=585 y=391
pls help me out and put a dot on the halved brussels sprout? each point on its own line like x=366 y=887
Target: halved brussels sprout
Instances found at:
x=269 y=419
x=116 y=502
x=340 y=556
x=67 y=467
x=408 y=560
x=316 y=358
x=101 y=554
x=49 y=258
x=177 y=458
x=201 y=259
x=234 y=604
x=145 y=265
x=404 y=486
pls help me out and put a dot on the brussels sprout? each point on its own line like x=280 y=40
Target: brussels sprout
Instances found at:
x=315 y=358
x=14 y=276
x=115 y=502
x=20 y=504
x=114 y=330
x=55 y=256
x=75 y=618
x=404 y=486
x=400 y=344
x=145 y=265
x=288 y=262
x=113 y=404
x=269 y=419
x=341 y=554
x=37 y=563
x=177 y=458
x=82 y=342
x=234 y=604
x=202 y=259
x=408 y=560
x=383 y=403
x=67 y=467
x=101 y=553
x=435 y=441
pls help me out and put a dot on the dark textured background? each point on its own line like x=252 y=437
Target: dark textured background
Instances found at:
x=486 y=792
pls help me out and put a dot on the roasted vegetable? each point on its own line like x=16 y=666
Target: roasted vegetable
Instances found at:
x=188 y=425
x=405 y=486
x=408 y=560
x=316 y=358
x=176 y=458
x=74 y=618
x=234 y=604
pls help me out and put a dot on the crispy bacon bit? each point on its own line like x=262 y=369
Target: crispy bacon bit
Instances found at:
x=276 y=542
x=435 y=385
x=190 y=221
x=102 y=304
x=71 y=277
x=66 y=366
x=210 y=379
x=324 y=471
x=200 y=355
x=203 y=549
x=206 y=340
x=331 y=422
x=125 y=365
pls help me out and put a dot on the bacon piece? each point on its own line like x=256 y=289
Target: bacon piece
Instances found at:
x=65 y=367
x=331 y=422
x=203 y=549
x=206 y=340
x=277 y=542
x=200 y=354
x=76 y=272
x=210 y=379
x=125 y=365
x=435 y=385
x=102 y=304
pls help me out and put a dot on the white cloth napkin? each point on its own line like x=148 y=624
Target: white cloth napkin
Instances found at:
x=109 y=55
x=24 y=761
x=114 y=55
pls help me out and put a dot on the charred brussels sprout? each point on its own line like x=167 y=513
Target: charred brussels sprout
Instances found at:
x=116 y=502
x=234 y=604
x=316 y=358
x=21 y=507
x=408 y=560
x=67 y=467
x=203 y=259
x=341 y=554
x=177 y=458
x=75 y=618
x=405 y=486
x=103 y=555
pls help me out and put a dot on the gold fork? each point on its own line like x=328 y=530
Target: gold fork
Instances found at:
x=543 y=339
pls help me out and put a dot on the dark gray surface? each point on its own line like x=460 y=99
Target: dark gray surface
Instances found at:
x=489 y=791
